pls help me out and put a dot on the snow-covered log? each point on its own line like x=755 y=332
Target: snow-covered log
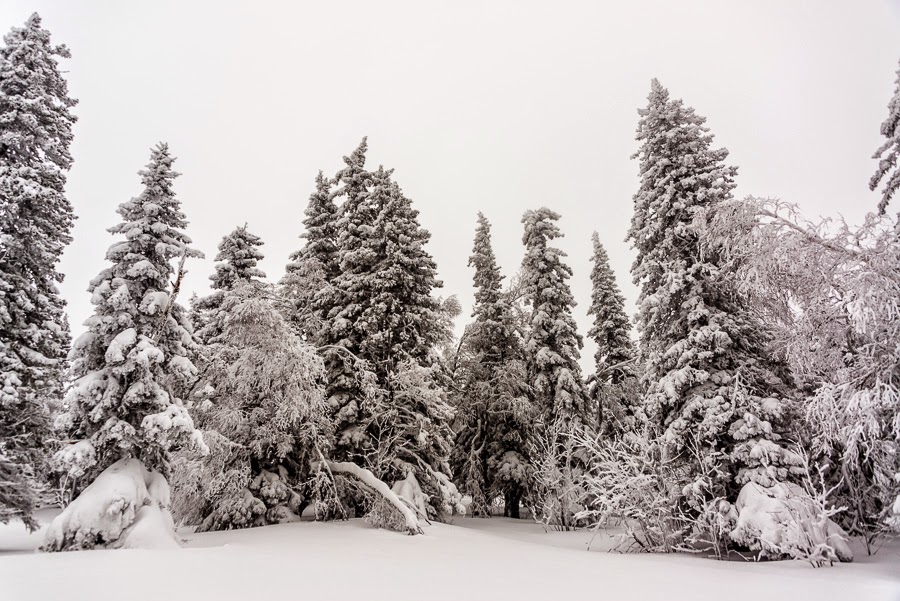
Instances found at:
x=126 y=506
x=378 y=486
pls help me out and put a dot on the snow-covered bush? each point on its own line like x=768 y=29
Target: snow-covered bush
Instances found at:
x=787 y=520
x=389 y=510
x=126 y=506
x=630 y=486
x=411 y=426
x=893 y=520
x=558 y=467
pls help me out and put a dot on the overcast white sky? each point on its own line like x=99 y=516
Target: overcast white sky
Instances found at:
x=491 y=106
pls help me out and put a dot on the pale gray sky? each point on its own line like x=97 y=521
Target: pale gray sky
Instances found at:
x=491 y=106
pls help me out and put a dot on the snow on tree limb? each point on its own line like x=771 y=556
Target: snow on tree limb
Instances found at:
x=378 y=486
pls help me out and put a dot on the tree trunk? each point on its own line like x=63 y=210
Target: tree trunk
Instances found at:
x=511 y=503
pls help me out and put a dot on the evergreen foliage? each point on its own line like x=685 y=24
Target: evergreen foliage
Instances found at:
x=552 y=344
x=711 y=383
x=889 y=153
x=611 y=386
x=35 y=220
x=494 y=415
x=235 y=266
x=262 y=409
x=135 y=351
x=313 y=268
x=388 y=318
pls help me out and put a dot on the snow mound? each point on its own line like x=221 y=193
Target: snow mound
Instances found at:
x=127 y=506
x=784 y=520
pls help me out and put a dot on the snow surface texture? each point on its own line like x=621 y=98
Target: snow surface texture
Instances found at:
x=474 y=558
x=125 y=507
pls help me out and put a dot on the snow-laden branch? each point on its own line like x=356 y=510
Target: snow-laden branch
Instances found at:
x=379 y=486
x=813 y=237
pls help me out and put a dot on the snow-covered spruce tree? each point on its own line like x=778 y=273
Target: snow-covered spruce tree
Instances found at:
x=313 y=268
x=711 y=382
x=493 y=413
x=348 y=377
x=263 y=416
x=612 y=386
x=552 y=345
x=235 y=265
x=556 y=387
x=35 y=221
x=888 y=156
x=124 y=369
x=389 y=318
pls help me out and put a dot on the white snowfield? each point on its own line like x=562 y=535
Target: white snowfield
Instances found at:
x=472 y=559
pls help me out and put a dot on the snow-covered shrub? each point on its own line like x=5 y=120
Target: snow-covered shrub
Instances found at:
x=399 y=514
x=558 y=464
x=630 y=486
x=787 y=520
x=893 y=520
x=126 y=506
x=384 y=515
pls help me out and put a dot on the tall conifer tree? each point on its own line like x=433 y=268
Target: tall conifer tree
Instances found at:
x=614 y=357
x=553 y=343
x=348 y=382
x=389 y=316
x=494 y=417
x=35 y=220
x=135 y=352
x=711 y=385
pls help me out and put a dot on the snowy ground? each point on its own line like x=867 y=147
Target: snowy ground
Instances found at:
x=469 y=560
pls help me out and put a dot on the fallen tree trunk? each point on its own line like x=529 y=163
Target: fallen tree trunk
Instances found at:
x=368 y=479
